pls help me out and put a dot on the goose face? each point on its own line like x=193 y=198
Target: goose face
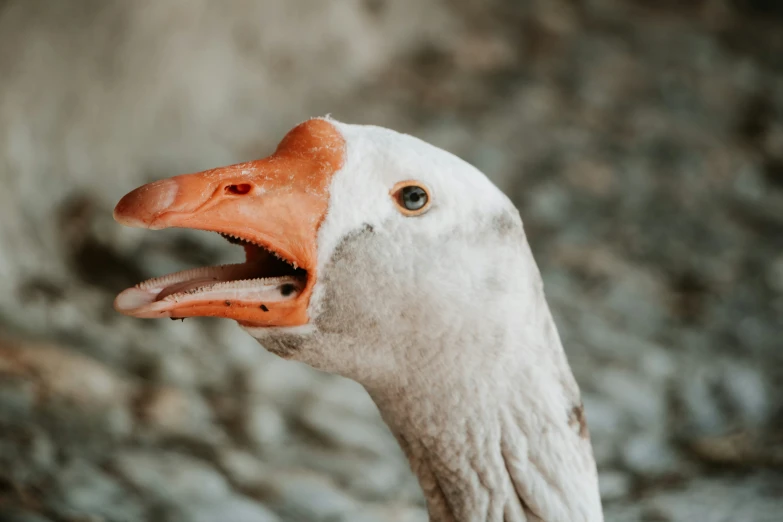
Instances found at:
x=353 y=234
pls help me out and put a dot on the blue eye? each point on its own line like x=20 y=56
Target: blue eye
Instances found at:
x=413 y=199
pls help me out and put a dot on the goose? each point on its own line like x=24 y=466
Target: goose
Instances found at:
x=379 y=257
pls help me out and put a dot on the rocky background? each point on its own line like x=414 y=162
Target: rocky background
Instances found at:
x=642 y=141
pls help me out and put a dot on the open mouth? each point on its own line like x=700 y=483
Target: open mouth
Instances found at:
x=272 y=207
x=242 y=291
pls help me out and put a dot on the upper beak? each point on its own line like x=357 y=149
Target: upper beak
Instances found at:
x=276 y=202
x=258 y=201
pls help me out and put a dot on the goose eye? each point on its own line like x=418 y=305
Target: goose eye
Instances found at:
x=411 y=198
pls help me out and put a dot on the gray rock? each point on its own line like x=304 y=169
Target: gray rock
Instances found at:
x=244 y=469
x=549 y=204
x=347 y=430
x=366 y=476
x=86 y=491
x=264 y=425
x=230 y=509
x=775 y=274
x=388 y=514
x=648 y=454
x=14 y=515
x=26 y=454
x=643 y=403
x=722 y=394
x=173 y=411
x=613 y=485
x=306 y=496
x=17 y=396
x=285 y=383
x=171 y=476
x=754 y=497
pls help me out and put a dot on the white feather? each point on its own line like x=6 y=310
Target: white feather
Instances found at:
x=443 y=319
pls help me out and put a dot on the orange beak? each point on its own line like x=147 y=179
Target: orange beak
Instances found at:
x=273 y=206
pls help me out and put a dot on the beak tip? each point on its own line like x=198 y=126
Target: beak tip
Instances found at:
x=132 y=299
x=127 y=219
x=141 y=207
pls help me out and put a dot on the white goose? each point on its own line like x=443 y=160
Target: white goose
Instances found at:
x=379 y=257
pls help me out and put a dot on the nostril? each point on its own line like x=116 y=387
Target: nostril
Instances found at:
x=240 y=189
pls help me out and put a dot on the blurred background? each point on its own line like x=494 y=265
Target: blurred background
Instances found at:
x=642 y=141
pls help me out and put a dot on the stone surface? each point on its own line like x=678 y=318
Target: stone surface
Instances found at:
x=170 y=475
x=15 y=515
x=233 y=508
x=87 y=491
x=614 y=485
x=640 y=140
x=305 y=496
x=170 y=411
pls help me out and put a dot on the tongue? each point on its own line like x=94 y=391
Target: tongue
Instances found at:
x=184 y=286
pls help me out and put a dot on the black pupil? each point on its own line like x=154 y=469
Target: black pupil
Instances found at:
x=414 y=198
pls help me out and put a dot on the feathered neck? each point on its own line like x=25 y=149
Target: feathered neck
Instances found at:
x=454 y=341
x=493 y=424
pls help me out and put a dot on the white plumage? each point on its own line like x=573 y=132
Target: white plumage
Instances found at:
x=441 y=316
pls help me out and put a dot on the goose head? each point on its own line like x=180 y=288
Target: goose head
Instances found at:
x=353 y=233
x=374 y=255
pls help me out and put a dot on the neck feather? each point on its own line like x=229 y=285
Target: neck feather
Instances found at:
x=495 y=428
